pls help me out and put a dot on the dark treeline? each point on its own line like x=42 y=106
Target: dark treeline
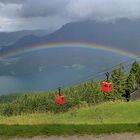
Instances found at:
x=83 y=94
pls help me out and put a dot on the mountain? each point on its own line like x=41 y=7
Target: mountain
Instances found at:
x=122 y=33
x=8 y=38
x=51 y=68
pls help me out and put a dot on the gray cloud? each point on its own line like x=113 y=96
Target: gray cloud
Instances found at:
x=36 y=14
x=79 y=9
x=9 y=10
x=51 y=23
x=103 y=9
x=43 y=8
x=12 y=1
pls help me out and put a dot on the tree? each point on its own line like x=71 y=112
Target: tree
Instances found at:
x=136 y=71
x=131 y=82
x=134 y=77
x=7 y=110
x=118 y=78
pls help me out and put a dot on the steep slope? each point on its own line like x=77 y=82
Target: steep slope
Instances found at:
x=122 y=33
x=8 y=38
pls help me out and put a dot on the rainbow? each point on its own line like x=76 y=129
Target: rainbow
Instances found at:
x=28 y=49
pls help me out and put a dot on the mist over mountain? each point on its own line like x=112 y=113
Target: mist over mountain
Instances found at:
x=50 y=68
x=121 y=33
x=9 y=38
x=28 y=27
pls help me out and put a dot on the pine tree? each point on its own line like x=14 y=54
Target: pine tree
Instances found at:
x=136 y=71
x=118 y=78
x=134 y=77
x=131 y=82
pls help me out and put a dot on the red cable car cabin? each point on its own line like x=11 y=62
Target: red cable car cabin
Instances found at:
x=61 y=99
x=107 y=87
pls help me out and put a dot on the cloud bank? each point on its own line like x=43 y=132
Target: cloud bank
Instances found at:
x=46 y=14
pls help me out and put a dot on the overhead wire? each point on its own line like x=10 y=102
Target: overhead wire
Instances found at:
x=96 y=75
x=93 y=75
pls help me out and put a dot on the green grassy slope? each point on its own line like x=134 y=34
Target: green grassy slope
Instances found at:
x=108 y=117
x=105 y=113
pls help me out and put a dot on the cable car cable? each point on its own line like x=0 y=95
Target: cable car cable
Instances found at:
x=89 y=77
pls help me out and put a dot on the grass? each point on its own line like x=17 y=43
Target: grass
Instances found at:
x=65 y=129
x=106 y=113
x=111 y=117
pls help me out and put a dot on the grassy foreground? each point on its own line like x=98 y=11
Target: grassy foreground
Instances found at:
x=108 y=117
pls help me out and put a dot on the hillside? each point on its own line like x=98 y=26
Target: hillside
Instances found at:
x=119 y=34
x=111 y=117
x=106 y=113
x=9 y=38
x=88 y=109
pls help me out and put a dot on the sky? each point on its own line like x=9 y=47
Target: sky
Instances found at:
x=52 y=14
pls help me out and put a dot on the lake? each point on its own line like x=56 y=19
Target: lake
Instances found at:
x=48 y=69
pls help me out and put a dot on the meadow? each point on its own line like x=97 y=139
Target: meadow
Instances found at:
x=88 y=110
x=109 y=117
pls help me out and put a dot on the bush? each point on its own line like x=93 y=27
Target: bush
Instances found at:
x=81 y=95
x=7 y=110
